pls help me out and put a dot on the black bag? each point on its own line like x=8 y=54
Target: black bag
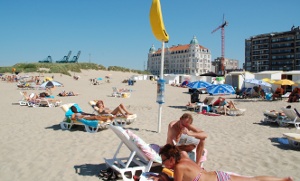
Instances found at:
x=108 y=174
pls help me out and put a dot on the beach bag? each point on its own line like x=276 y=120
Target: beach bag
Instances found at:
x=108 y=174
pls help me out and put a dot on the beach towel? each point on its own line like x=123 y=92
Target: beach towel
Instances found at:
x=91 y=123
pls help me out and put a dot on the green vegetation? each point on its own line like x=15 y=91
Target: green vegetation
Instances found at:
x=63 y=68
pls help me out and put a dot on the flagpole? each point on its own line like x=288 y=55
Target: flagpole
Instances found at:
x=161 y=78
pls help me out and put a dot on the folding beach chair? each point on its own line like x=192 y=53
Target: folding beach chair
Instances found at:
x=141 y=156
x=91 y=126
x=291 y=117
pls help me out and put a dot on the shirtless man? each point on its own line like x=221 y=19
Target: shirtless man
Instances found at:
x=184 y=126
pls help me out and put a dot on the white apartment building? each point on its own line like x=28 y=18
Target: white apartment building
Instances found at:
x=191 y=59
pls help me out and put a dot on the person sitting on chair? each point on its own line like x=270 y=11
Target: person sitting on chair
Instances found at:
x=226 y=104
x=184 y=126
x=121 y=109
x=278 y=92
x=86 y=116
x=294 y=96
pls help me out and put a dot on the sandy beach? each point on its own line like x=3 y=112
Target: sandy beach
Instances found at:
x=34 y=147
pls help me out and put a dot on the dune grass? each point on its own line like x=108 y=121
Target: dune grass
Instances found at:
x=63 y=68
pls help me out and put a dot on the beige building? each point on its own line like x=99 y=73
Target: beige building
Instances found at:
x=190 y=58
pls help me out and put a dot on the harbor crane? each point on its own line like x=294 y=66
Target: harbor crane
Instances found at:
x=222 y=27
x=65 y=59
x=75 y=58
x=46 y=60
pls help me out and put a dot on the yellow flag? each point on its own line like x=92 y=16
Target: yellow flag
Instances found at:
x=157 y=23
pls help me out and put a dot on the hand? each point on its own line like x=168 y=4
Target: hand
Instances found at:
x=186 y=131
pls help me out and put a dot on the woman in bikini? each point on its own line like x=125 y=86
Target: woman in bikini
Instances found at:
x=120 y=110
x=187 y=170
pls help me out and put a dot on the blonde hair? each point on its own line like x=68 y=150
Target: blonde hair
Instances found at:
x=187 y=116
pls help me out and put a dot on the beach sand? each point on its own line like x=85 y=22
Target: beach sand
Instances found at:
x=34 y=147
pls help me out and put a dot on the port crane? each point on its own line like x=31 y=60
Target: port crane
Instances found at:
x=46 y=60
x=75 y=58
x=222 y=27
x=65 y=59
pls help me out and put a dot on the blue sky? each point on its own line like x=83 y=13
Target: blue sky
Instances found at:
x=118 y=32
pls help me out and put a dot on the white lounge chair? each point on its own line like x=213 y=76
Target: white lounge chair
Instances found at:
x=286 y=95
x=270 y=116
x=290 y=117
x=123 y=94
x=118 y=120
x=67 y=122
x=141 y=156
x=45 y=103
x=294 y=139
x=116 y=93
x=23 y=101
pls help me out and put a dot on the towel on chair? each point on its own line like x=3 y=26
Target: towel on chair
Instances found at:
x=91 y=123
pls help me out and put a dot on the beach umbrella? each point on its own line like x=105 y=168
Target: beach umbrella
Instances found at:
x=258 y=82
x=268 y=80
x=220 y=89
x=48 y=79
x=51 y=84
x=284 y=82
x=198 y=84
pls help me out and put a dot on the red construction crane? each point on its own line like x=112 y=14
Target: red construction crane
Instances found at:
x=222 y=27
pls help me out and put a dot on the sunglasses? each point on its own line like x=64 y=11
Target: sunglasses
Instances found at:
x=165 y=160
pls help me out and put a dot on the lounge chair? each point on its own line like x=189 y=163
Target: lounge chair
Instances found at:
x=236 y=112
x=291 y=117
x=23 y=101
x=140 y=158
x=91 y=126
x=123 y=94
x=117 y=120
x=286 y=95
x=270 y=116
x=293 y=138
x=199 y=106
x=240 y=94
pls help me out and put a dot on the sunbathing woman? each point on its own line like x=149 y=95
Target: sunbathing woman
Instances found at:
x=117 y=111
x=64 y=93
x=185 y=169
x=226 y=104
x=86 y=116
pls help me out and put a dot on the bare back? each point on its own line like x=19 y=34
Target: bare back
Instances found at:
x=173 y=133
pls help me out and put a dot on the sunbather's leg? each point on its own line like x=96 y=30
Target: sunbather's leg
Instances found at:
x=124 y=109
x=100 y=118
x=259 y=178
x=117 y=111
x=231 y=105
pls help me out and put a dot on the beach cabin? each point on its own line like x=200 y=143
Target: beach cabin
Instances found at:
x=171 y=78
x=236 y=79
x=179 y=78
